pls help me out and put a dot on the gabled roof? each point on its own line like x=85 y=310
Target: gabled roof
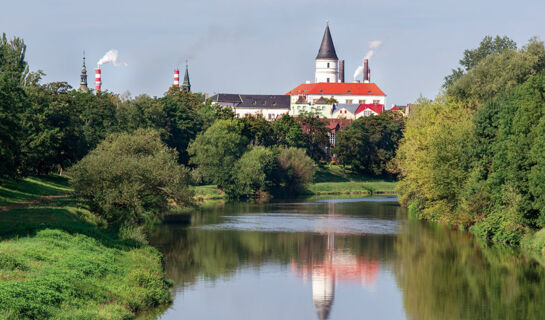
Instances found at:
x=327 y=49
x=301 y=100
x=350 y=107
x=378 y=108
x=338 y=88
x=258 y=101
x=322 y=100
x=395 y=108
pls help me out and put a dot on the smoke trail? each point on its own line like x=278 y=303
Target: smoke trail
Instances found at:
x=113 y=57
x=373 y=45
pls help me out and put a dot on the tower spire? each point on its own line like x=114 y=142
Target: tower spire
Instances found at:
x=327 y=49
x=186 y=85
x=83 y=80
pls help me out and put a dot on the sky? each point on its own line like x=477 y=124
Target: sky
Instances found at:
x=261 y=47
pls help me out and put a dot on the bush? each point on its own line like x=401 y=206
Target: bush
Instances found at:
x=253 y=171
x=131 y=178
x=296 y=170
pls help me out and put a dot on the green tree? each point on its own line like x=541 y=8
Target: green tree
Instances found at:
x=258 y=130
x=296 y=171
x=370 y=143
x=216 y=151
x=53 y=137
x=288 y=132
x=131 y=178
x=472 y=58
x=253 y=171
x=315 y=135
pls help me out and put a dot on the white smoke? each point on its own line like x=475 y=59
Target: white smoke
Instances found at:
x=113 y=57
x=373 y=46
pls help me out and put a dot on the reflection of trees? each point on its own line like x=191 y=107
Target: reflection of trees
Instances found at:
x=445 y=275
x=193 y=252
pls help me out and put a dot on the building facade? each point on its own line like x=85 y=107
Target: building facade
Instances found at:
x=269 y=106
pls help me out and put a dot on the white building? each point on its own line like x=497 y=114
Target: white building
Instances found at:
x=266 y=105
x=330 y=87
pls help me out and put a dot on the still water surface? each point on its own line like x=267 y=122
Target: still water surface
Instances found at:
x=339 y=259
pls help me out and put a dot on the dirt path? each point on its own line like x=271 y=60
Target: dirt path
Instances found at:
x=30 y=202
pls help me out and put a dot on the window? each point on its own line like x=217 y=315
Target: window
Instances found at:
x=238 y=115
x=327 y=79
x=367 y=113
x=348 y=101
x=328 y=66
x=376 y=101
x=332 y=138
x=362 y=101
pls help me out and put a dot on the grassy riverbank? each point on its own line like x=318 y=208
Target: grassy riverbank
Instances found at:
x=328 y=180
x=57 y=260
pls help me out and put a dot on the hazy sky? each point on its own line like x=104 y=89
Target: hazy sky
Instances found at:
x=253 y=46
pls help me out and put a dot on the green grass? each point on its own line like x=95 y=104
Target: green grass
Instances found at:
x=58 y=261
x=13 y=191
x=335 y=180
x=208 y=192
x=327 y=180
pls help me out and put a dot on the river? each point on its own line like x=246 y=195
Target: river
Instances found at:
x=339 y=259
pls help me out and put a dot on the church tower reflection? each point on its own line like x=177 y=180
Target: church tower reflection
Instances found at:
x=335 y=265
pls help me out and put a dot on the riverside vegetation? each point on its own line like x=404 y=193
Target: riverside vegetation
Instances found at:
x=475 y=156
x=82 y=252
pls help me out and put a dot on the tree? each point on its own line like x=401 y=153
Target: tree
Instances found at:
x=253 y=172
x=130 y=178
x=472 y=58
x=13 y=101
x=216 y=150
x=296 y=171
x=53 y=135
x=258 y=130
x=288 y=132
x=370 y=143
x=315 y=135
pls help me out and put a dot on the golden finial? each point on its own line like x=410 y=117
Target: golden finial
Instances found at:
x=326 y=21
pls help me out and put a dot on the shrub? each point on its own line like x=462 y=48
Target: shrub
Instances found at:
x=296 y=170
x=131 y=178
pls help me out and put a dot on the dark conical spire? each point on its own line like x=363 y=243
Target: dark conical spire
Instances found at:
x=327 y=49
x=186 y=85
x=83 y=81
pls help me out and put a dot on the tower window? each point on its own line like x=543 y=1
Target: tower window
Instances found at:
x=327 y=79
x=328 y=66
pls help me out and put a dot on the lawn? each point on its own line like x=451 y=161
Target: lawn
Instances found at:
x=13 y=191
x=58 y=261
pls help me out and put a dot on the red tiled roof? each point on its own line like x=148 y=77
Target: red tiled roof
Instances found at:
x=378 y=108
x=337 y=88
x=395 y=108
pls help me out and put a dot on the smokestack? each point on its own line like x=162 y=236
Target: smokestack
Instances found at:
x=366 y=70
x=176 y=78
x=341 y=71
x=98 y=79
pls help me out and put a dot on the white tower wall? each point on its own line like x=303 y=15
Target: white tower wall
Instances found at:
x=327 y=70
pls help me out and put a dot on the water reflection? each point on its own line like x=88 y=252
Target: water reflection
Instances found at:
x=340 y=260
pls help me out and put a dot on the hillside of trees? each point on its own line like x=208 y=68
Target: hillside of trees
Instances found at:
x=474 y=156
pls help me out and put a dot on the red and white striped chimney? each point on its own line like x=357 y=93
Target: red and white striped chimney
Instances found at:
x=98 y=79
x=176 y=78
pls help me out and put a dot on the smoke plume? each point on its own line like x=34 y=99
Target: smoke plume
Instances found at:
x=113 y=57
x=373 y=46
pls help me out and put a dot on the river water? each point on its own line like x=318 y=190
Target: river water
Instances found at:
x=339 y=259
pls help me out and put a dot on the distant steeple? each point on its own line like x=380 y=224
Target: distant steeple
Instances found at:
x=186 y=85
x=327 y=49
x=83 y=81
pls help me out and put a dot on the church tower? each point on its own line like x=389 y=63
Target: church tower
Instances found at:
x=83 y=81
x=326 y=61
x=186 y=85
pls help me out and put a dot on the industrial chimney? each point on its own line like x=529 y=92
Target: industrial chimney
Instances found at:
x=341 y=71
x=365 y=70
x=98 y=79
x=176 y=78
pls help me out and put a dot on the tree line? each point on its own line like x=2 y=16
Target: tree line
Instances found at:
x=474 y=156
x=140 y=154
